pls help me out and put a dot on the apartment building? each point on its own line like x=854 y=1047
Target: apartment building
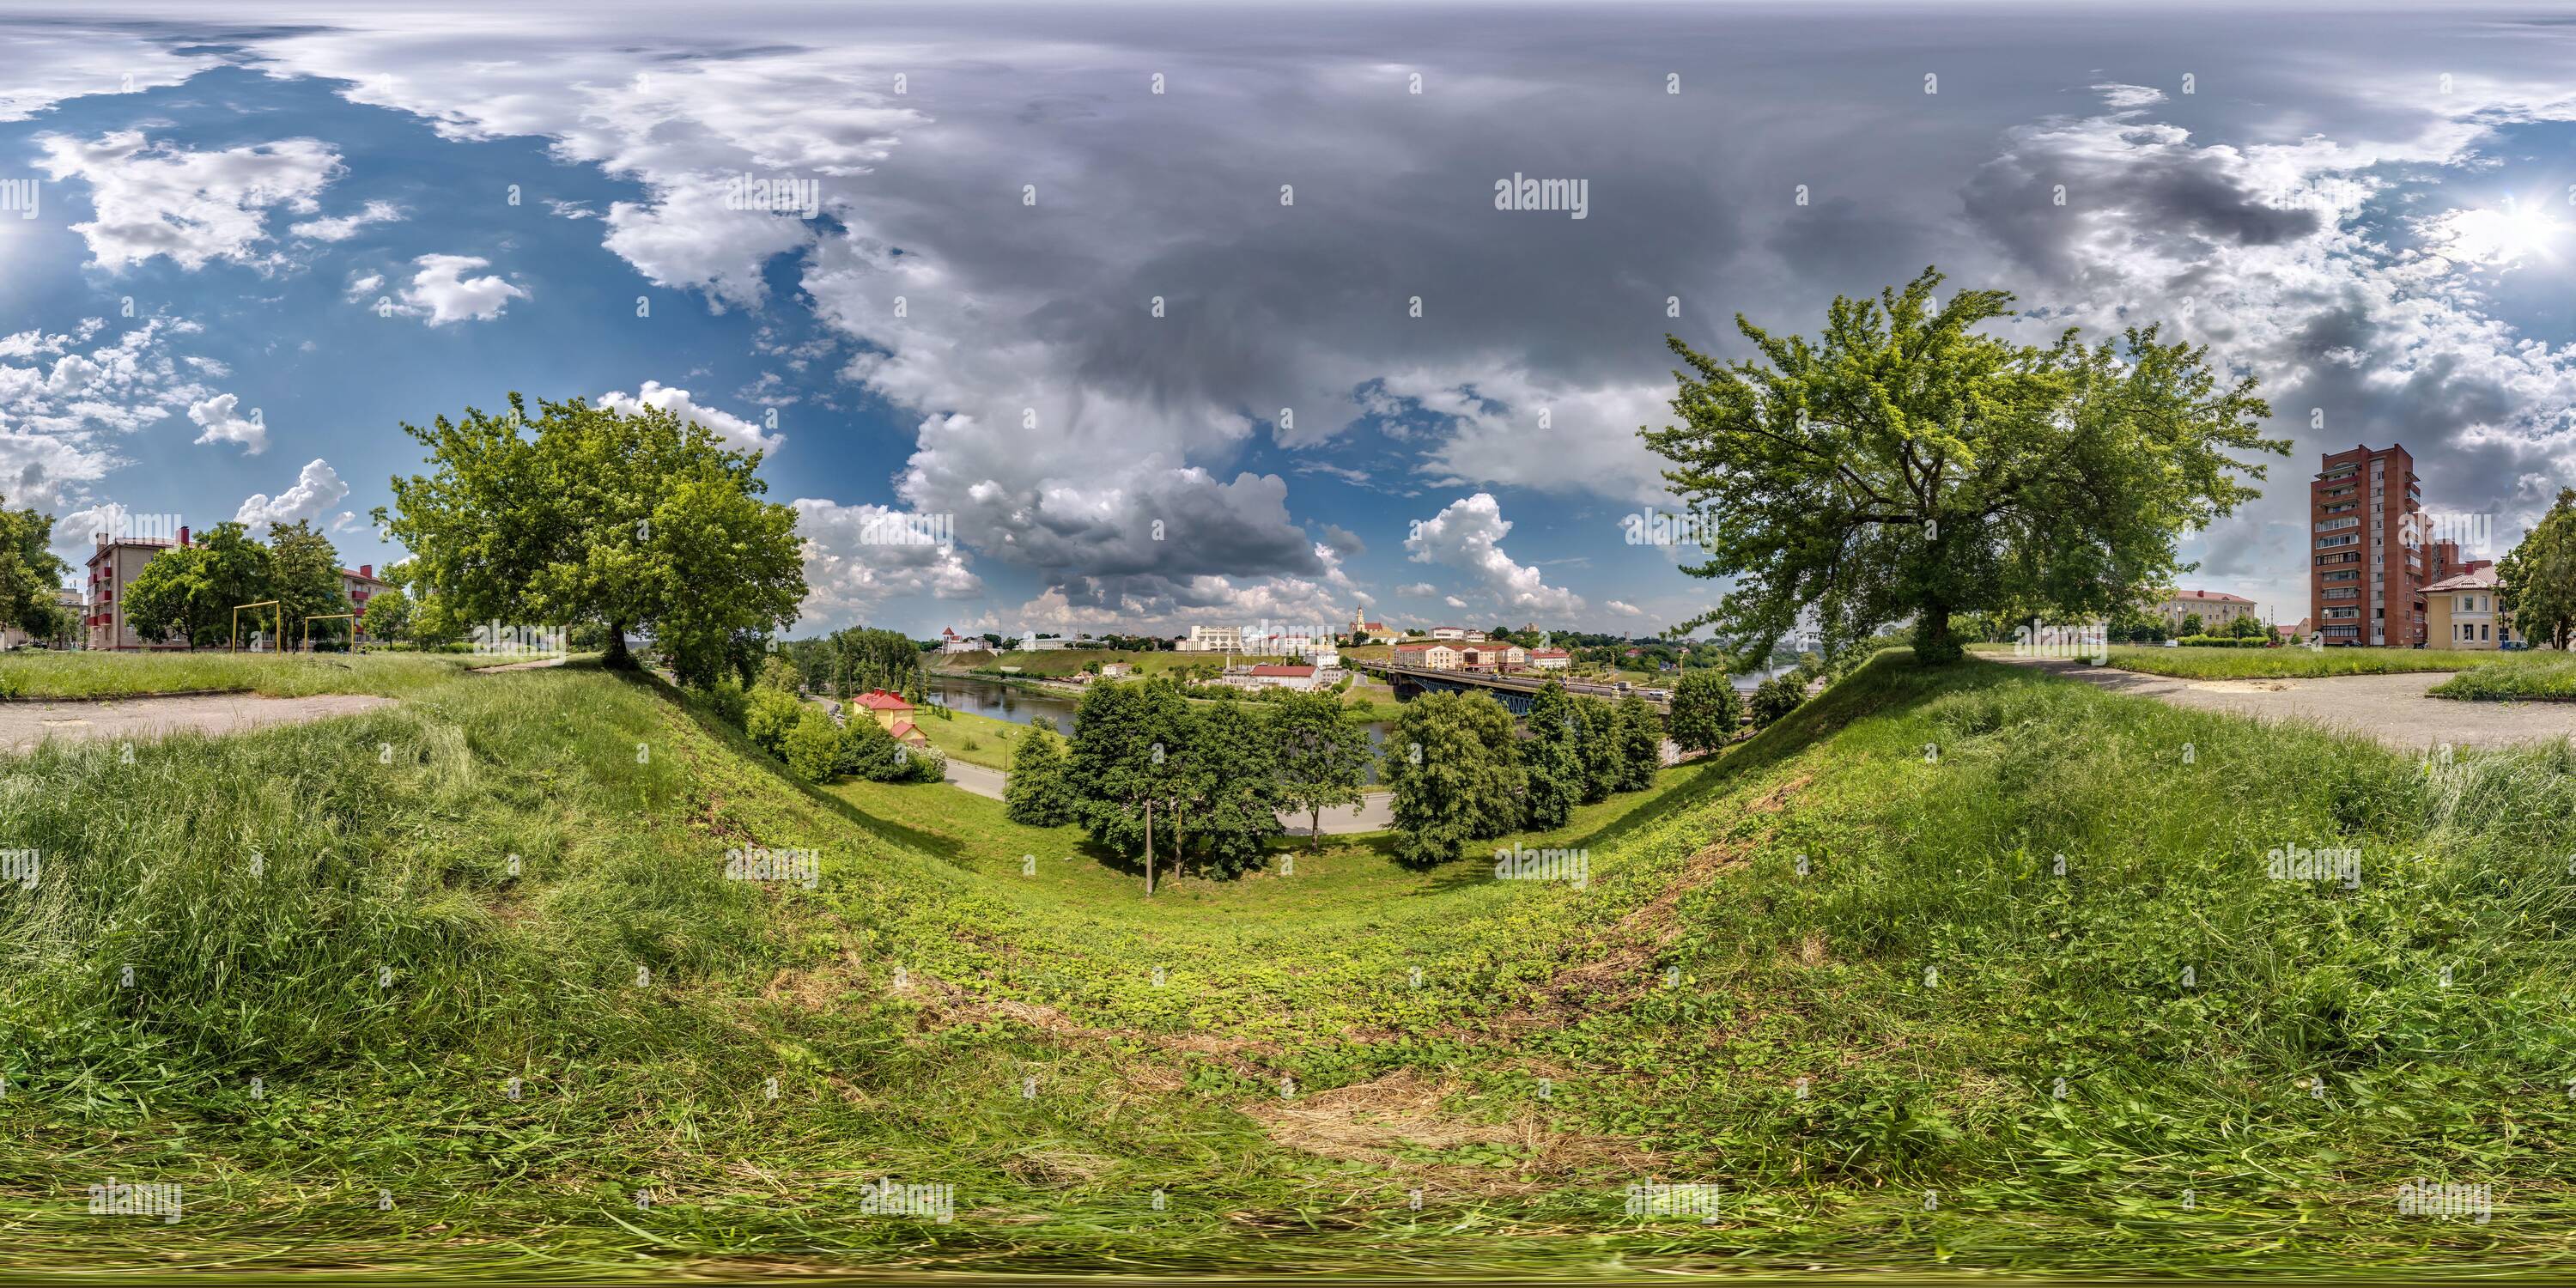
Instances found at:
x=2366 y=574
x=2460 y=612
x=112 y=564
x=1429 y=657
x=1210 y=639
x=2216 y=609
x=67 y=600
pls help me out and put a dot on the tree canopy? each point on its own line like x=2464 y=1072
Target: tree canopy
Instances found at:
x=29 y=573
x=2537 y=581
x=586 y=515
x=1905 y=464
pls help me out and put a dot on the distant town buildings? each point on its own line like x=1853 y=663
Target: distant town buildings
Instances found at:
x=1430 y=657
x=1551 y=659
x=1210 y=639
x=952 y=642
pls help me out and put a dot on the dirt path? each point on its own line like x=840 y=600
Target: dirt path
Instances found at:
x=24 y=724
x=2391 y=709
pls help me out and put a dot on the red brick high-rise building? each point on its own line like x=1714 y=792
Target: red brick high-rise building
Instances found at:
x=2366 y=574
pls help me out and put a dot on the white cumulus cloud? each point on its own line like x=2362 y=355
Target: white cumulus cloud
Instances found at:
x=222 y=419
x=317 y=488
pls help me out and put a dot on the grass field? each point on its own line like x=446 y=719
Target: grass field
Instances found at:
x=2284 y=663
x=1836 y=972
x=2527 y=677
x=40 y=673
x=975 y=739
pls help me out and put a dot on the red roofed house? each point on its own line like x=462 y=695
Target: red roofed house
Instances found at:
x=1429 y=657
x=891 y=711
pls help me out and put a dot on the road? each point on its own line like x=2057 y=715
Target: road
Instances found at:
x=2390 y=709
x=24 y=724
x=1372 y=814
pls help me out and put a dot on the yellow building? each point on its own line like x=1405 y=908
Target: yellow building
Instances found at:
x=2460 y=612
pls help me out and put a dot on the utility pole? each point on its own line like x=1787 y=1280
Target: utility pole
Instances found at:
x=1149 y=847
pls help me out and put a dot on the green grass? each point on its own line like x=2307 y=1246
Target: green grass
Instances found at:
x=36 y=673
x=1033 y=1059
x=2520 y=677
x=975 y=739
x=2282 y=663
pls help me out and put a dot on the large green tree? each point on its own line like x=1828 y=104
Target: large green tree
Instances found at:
x=2537 y=581
x=1599 y=722
x=29 y=574
x=1451 y=775
x=1126 y=764
x=304 y=579
x=193 y=590
x=1038 y=792
x=1232 y=806
x=640 y=522
x=1707 y=712
x=1552 y=758
x=1905 y=464
x=1641 y=744
x=1323 y=756
x=389 y=614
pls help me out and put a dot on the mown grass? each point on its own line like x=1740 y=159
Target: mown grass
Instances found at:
x=933 y=1015
x=46 y=674
x=975 y=739
x=2527 y=677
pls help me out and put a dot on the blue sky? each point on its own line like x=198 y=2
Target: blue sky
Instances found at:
x=309 y=216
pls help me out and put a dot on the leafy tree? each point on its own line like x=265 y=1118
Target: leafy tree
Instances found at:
x=1551 y=758
x=1323 y=756
x=1123 y=763
x=776 y=672
x=2192 y=625
x=1038 y=792
x=433 y=623
x=1777 y=697
x=2248 y=627
x=1600 y=722
x=814 y=746
x=1904 y=464
x=1232 y=765
x=192 y=590
x=1641 y=744
x=29 y=573
x=642 y=522
x=2536 y=583
x=1707 y=712
x=304 y=577
x=769 y=716
x=388 y=615
x=1451 y=775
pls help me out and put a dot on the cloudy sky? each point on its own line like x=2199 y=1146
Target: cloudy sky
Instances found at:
x=1205 y=314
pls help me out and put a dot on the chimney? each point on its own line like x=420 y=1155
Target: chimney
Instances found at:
x=367 y=571
x=183 y=536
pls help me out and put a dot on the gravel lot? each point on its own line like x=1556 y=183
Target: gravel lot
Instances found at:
x=24 y=724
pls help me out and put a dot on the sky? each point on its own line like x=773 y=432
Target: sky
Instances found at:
x=1207 y=314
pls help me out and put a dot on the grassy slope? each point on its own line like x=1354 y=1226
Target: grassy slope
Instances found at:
x=36 y=673
x=1558 y=1065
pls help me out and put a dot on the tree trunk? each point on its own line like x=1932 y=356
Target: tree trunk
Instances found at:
x=617 y=658
x=1149 y=848
x=1315 y=829
x=1932 y=640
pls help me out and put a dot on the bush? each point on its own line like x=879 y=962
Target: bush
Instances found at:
x=1777 y=697
x=768 y=717
x=731 y=704
x=814 y=746
x=2221 y=641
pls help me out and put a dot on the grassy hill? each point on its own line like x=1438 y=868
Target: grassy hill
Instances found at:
x=1862 y=1049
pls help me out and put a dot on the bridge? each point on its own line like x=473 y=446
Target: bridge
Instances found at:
x=1513 y=691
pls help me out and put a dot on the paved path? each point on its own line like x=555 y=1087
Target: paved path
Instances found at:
x=1372 y=814
x=2389 y=708
x=24 y=724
